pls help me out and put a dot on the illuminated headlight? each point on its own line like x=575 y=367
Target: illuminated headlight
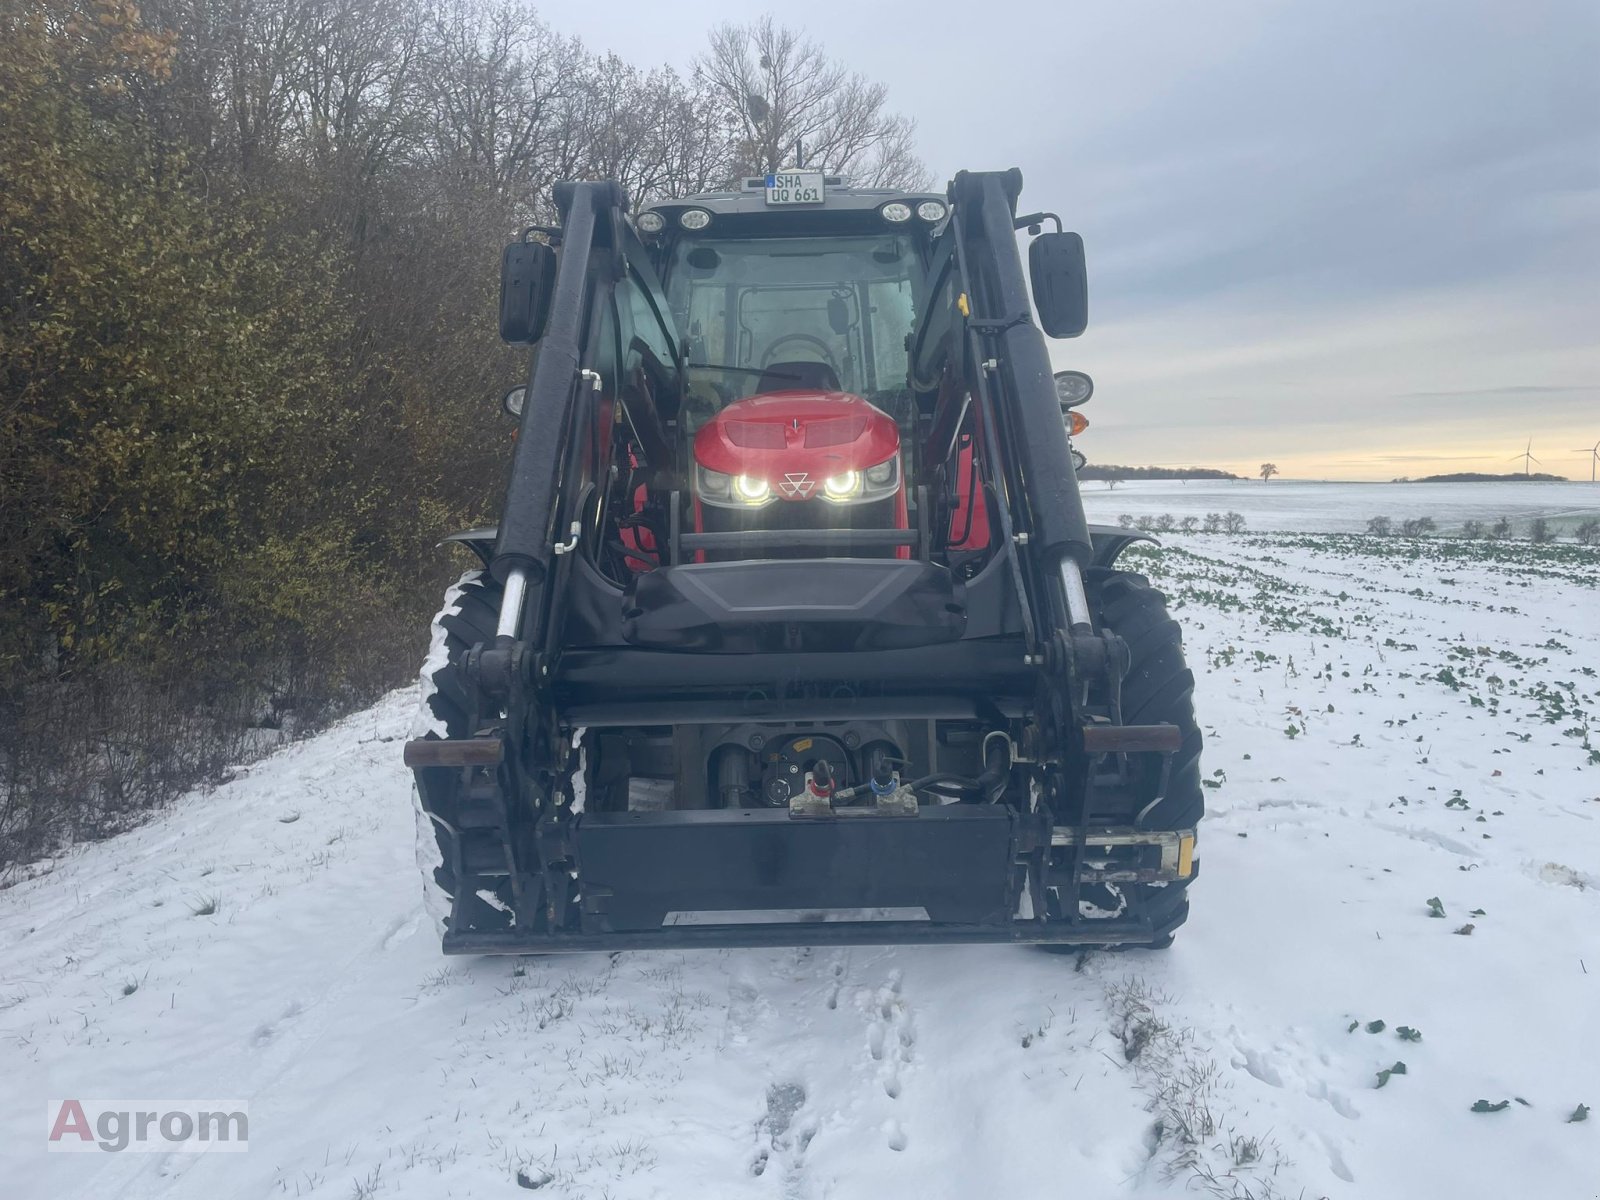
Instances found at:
x=730 y=491
x=843 y=487
x=931 y=210
x=896 y=211
x=651 y=222
x=858 y=487
x=694 y=218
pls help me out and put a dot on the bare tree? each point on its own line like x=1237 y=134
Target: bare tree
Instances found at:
x=230 y=94
x=1268 y=470
x=355 y=83
x=502 y=98
x=266 y=47
x=647 y=130
x=786 y=101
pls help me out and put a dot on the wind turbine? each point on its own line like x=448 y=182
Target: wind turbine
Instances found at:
x=1527 y=457
x=1594 y=457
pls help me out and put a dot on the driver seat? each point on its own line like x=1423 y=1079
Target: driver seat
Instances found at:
x=796 y=376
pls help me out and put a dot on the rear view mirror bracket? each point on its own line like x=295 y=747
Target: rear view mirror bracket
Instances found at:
x=1033 y=221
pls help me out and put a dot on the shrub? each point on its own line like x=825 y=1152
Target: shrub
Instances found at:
x=1380 y=526
x=1588 y=532
x=229 y=436
x=1233 y=522
x=1472 y=529
x=1213 y=523
x=1539 y=531
x=1417 y=526
x=1501 y=528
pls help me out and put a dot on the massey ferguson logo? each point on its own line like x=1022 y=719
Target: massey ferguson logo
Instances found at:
x=797 y=487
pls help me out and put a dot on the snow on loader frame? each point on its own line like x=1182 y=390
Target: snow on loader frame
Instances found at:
x=792 y=631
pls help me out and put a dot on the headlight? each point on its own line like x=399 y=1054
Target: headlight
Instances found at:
x=713 y=485
x=694 y=218
x=896 y=211
x=843 y=487
x=931 y=210
x=650 y=222
x=730 y=491
x=858 y=487
x=750 y=491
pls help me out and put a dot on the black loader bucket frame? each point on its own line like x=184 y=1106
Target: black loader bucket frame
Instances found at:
x=1028 y=662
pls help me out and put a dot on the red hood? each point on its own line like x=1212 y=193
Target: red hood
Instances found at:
x=800 y=432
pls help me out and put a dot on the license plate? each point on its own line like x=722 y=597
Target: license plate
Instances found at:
x=795 y=187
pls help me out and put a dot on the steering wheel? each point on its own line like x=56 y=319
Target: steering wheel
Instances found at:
x=805 y=339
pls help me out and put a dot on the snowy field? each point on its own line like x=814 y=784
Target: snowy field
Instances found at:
x=1304 y=507
x=1401 y=865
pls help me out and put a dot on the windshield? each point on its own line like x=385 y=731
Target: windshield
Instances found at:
x=760 y=314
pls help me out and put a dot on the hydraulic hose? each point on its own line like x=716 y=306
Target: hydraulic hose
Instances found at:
x=989 y=786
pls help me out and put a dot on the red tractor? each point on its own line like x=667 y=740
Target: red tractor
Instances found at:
x=793 y=630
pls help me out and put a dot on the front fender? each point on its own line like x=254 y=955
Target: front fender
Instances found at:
x=480 y=540
x=1109 y=541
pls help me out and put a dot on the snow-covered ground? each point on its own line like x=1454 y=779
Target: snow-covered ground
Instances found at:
x=1390 y=724
x=1313 y=506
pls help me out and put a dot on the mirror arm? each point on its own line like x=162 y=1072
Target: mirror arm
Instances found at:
x=1032 y=221
x=552 y=233
x=999 y=325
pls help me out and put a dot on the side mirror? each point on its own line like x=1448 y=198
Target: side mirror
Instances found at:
x=527 y=277
x=1060 y=283
x=511 y=403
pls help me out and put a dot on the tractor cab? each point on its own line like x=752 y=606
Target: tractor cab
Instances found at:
x=795 y=299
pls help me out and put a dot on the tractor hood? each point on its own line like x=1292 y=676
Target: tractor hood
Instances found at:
x=794 y=441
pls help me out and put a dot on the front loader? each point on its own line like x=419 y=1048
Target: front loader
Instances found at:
x=792 y=630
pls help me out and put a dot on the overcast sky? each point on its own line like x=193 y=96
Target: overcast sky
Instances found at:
x=1359 y=239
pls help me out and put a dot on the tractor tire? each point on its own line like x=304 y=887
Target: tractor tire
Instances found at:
x=1157 y=690
x=471 y=610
